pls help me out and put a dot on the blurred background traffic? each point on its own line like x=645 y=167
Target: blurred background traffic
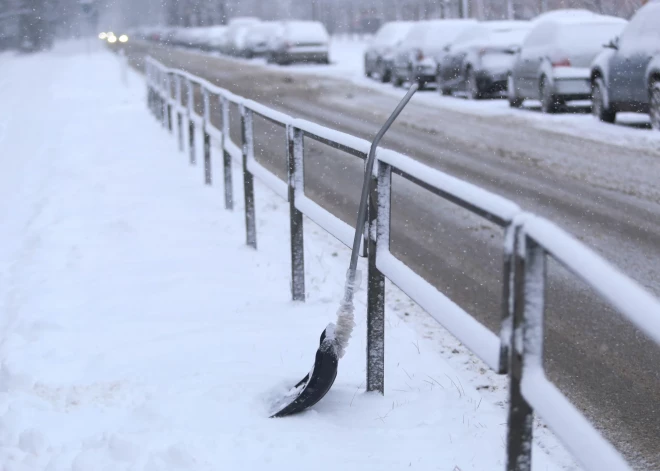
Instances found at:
x=556 y=52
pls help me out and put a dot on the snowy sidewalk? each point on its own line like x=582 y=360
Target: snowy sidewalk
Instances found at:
x=138 y=331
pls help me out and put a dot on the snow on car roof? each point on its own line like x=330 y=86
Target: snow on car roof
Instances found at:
x=507 y=25
x=305 y=30
x=393 y=32
x=508 y=38
x=564 y=13
x=588 y=19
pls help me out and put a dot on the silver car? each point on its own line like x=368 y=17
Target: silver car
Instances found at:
x=553 y=65
x=378 y=57
x=259 y=39
x=418 y=56
x=301 y=41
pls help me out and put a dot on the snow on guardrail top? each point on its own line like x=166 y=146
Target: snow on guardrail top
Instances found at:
x=471 y=194
x=268 y=112
x=632 y=300
x=341 y=138
x=216 y=90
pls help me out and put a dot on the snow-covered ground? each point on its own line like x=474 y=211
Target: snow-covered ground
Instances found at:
x=137 y=331
x=632 y=130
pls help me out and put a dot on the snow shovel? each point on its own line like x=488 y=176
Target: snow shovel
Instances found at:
x=334 y=339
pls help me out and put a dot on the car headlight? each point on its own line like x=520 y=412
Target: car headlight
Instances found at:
x=112 y=39
x=102 y=36
x=123 y=38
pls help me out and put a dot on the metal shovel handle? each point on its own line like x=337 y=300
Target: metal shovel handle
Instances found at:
x=362 y=211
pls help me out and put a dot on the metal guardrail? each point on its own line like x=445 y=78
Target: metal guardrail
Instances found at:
x=529 y=241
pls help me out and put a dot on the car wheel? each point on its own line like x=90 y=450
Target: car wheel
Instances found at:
x=385 y=74
x=444 y=91
x=367 y=70
x=397 y=81
x=599 y=104
x=655 y=105
x=514 y=100
x=550 y=103
x=471 y=85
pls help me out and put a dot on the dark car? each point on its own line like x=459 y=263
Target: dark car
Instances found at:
x=620 y=75
x=378 y=57
x=480 y=60
x=417 y=58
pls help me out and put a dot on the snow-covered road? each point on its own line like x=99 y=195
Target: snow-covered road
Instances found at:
x=138 y=331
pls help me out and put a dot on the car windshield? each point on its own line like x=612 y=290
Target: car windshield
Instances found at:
x=507 y=38
x=582 y=37
x=444 y=33
x=306 y=31
x=392 y=33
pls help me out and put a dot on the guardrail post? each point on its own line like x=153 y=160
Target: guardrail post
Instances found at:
x=163 y=100
x=510 y=235
x=295 y=158
x=168 y=97
x=207 y=137
x=147 y=73
x=378 y=239
x=155 y=87
x=191 y=123
x=526 y=347
x=226 y=158
x=179 y=115
x=248 y=179
x=156 y=94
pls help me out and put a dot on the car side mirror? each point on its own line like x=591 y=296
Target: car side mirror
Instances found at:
x=514 y=50
x=613 y=44
x=447 y=48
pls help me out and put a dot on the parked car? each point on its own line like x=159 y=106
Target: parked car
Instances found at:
x=237 y=31
x=301 y=41
x=189 y=37
x=214 y=38
x=260 y=38
x=479 y=61
x=378 y=57
x=622 y=76
x=417 y=58
x=653 y=79
x=554 y=62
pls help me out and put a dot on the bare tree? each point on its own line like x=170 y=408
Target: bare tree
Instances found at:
x=348 y=15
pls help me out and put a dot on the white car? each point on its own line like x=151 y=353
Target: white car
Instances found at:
x=301 y=41
x=215 y=38
x=553 y=65
x=260 y=38
x=237 y=31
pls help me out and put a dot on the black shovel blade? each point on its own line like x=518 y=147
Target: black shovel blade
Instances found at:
x=316 y=384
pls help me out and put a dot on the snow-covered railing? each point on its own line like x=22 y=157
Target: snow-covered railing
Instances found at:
x=529 y=241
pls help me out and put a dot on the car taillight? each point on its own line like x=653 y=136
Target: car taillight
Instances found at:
x=561 y=63
x=420 y=55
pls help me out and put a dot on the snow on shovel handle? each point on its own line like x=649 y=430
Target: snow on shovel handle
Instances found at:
x=334 y=339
